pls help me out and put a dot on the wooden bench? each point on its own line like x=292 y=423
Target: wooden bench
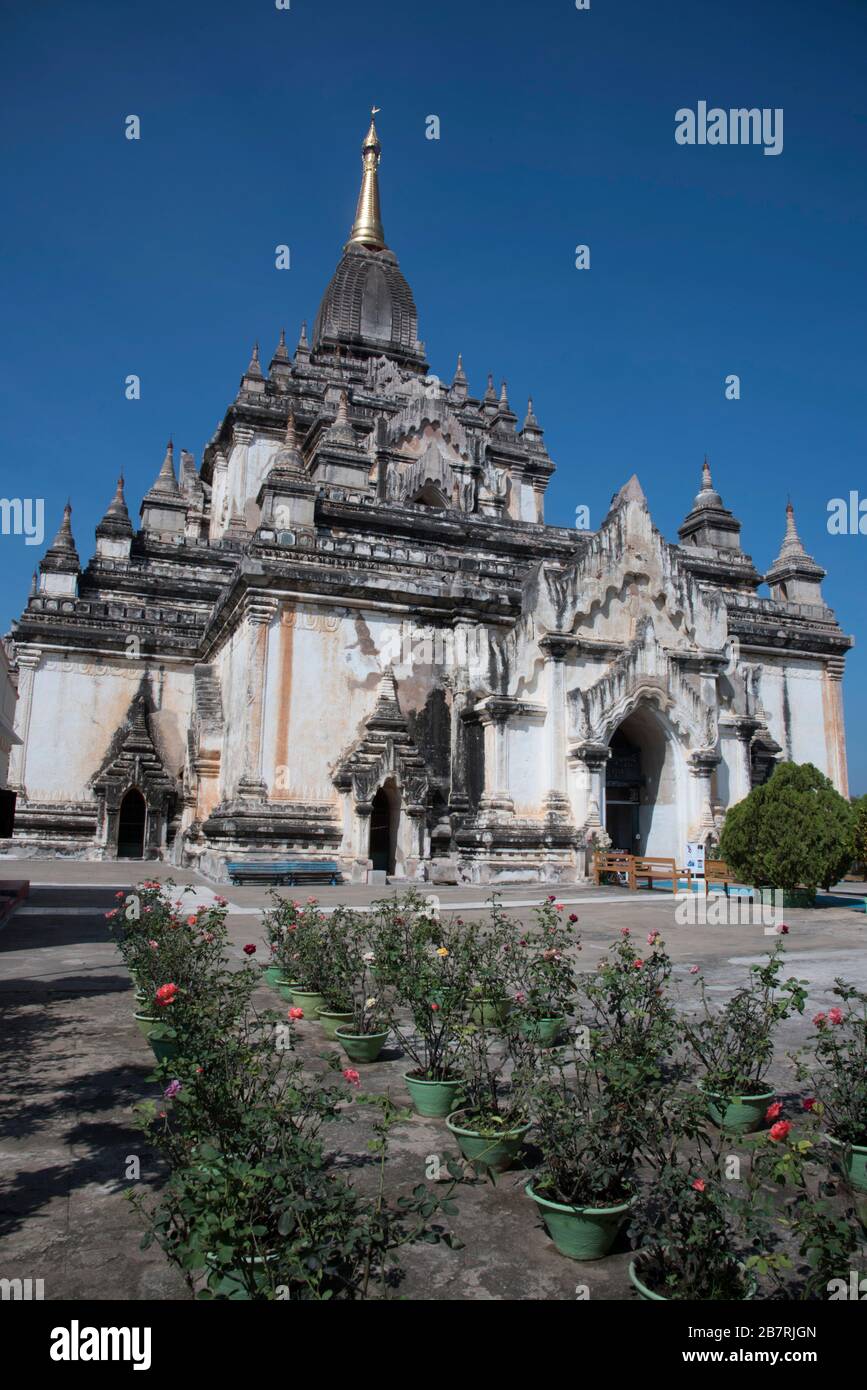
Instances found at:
x=718 y=872
x=12 y=894
x=651 y=868
x=611 y=862
x=286 y=871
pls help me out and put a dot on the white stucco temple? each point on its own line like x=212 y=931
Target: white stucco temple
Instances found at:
x=349 y=634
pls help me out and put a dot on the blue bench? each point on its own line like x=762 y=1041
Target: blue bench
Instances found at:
x=285 y=871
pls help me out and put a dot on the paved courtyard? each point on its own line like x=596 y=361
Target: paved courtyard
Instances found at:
x=73 y=1064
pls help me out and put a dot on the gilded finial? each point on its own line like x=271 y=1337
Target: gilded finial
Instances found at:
x=367 y=228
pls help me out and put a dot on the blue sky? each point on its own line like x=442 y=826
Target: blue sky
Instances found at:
x=557 y=128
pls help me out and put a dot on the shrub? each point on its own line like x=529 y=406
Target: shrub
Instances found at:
x=542 y=966
x=859 y=807
x=735 y=1043
x=626 y=1005
x=429 y=1000
x=584 y=1129
x=794 y=831
x=839 y=1074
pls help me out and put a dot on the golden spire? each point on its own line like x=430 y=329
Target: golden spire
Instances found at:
x=367 y=227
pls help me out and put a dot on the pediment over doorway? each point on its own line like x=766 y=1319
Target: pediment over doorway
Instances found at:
x=644 y=672
x=386 y=750
x=430 y=470
x=133 y=759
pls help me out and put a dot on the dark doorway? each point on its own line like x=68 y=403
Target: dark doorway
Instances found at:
x=383 y=828
x=131 y=826
x=623 y=783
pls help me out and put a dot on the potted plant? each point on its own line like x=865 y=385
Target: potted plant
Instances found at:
x=794 y=833
x=838 y=1076
x=426 y=1009
x=734 y=1044
x=543 y=972
x=273 y=925
x=364 y=1035
x=300 y=938
x=336 y=967
x=586 y=1133
x=491 y=1126
x=490 y=953
x=691 y=1238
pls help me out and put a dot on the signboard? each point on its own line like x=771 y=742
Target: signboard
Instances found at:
x=695 y=857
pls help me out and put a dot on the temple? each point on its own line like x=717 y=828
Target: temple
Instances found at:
x=349 y=634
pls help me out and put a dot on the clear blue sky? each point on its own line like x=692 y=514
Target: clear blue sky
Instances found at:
x=557 y=127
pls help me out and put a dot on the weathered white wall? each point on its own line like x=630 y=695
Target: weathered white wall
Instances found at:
x=528 y=765
x=77 y=707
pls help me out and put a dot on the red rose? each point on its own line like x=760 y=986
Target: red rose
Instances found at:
x=249 y=949
x=699 y=1184
x=809 y=1102
x=774 y=1111
x=165 y=995
x=777 y=1133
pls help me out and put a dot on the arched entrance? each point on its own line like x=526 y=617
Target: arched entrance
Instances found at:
x=623 y=784
x=384 y=820
x=131 y=826
x=644 y=796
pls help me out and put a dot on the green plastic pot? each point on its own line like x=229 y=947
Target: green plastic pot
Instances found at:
x=651 y=1297
x=488 y=1012
x=231 y=1284
x=273 y=975
x=544 y=1031
x=331 y=1020
x=581 y=1233
x=285 y=988
x=436 y=1099
x=854 y=1161
x=164 y=1049
x=361 y=1047
x=494 y=1153
x=311 y=1001
x=144 y=1021
x=737 y=1114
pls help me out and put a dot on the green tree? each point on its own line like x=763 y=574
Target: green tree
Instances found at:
x=794 y=831
x=859 y=806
